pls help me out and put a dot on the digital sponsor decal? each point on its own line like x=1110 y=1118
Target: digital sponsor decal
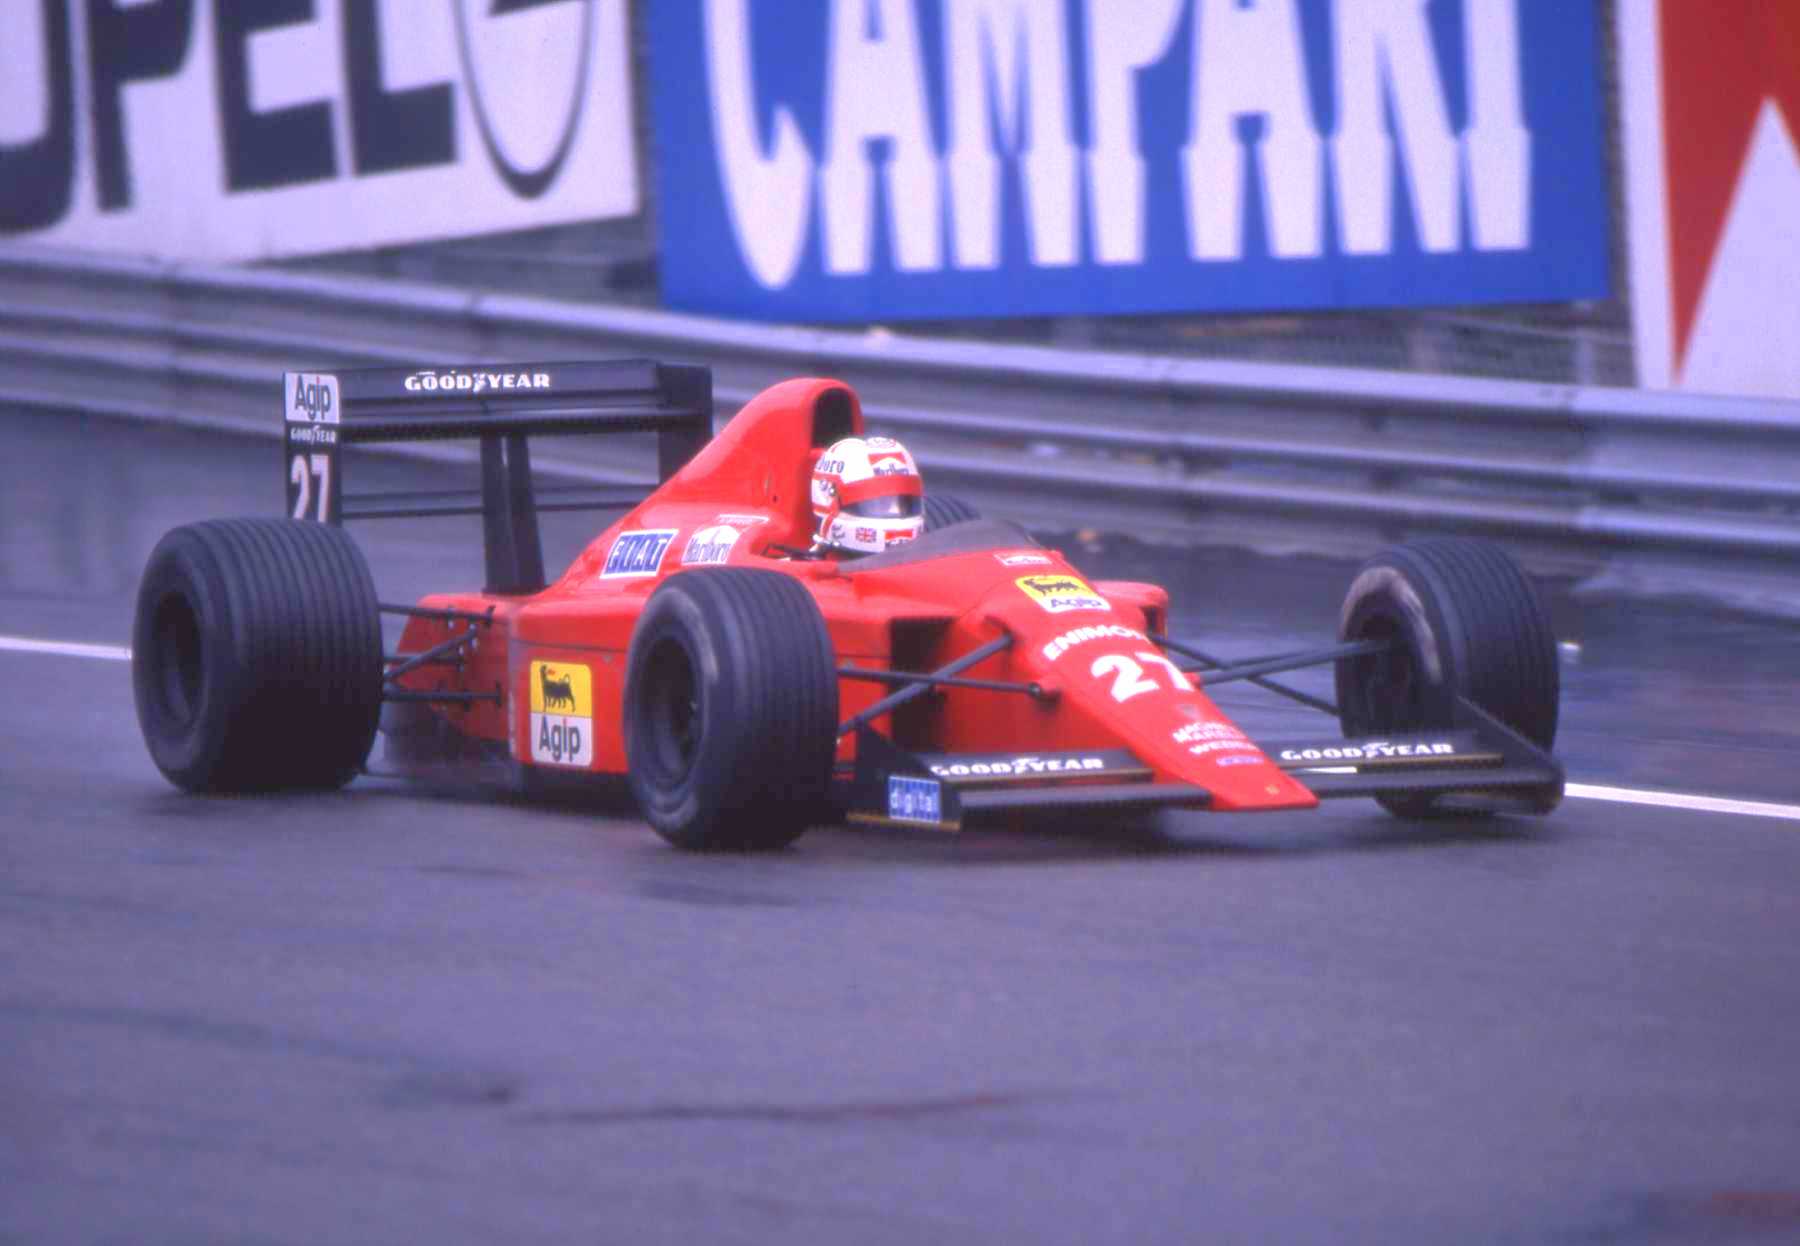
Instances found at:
x=233 y=131
x=1023 y=559
x=562 y=714
x=474 y=382
x=1081 y=635
x=1370 y=750
x=913 y=799
x=312 y=398
x=886 y=159
x=1711 y=117
x=1240 y=759
x=1061 y=593
x=637 y=553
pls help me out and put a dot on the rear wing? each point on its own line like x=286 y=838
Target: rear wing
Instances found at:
x=503 y=405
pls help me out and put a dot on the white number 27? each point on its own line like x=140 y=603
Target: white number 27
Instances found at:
x=1128 y=676
x=303 y=470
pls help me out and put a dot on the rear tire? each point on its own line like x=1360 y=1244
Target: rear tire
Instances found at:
x=731 y=710
x=945 y=509
x=256 y=656
x=1470 y=624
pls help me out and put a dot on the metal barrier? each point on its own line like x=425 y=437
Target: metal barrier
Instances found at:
x=1271 y=457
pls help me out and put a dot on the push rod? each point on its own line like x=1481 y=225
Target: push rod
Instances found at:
x=893 y=700
x=414 y=661
x=1295 y=661
x=430 y=612
x=1033 y=690
x=1210 y=664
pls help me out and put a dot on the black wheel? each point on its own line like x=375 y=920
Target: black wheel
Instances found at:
x=731 y=710
x=256 y=656
x=944 y=509
x=1470 y=624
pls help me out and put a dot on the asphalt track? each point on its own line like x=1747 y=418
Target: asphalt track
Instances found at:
x=384 y=1017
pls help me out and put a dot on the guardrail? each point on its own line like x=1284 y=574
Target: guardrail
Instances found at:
x=1271 y=457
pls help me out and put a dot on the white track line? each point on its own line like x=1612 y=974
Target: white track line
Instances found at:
x=1679 y=800
x=64 y=649
x=1584 y=791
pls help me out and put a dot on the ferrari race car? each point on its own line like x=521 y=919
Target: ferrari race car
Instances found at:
x=746 y=688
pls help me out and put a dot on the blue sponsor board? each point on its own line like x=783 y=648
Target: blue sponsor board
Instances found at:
x=637 y=553
x=892 y=159
x=914 y=800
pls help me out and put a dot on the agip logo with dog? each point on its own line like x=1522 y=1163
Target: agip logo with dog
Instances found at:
x=562 y=714
x=1061 y=593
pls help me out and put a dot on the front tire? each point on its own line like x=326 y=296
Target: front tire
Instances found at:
x=1469 y=624
x=256 y=656
x=731 y=710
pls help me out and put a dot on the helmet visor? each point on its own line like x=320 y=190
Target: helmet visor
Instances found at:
x=889 y=506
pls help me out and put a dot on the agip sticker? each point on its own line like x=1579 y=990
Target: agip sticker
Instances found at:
x=562 y=714
x=1061 y=593
x=312 y=398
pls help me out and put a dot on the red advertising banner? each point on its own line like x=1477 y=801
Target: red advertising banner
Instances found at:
x=1712 y=115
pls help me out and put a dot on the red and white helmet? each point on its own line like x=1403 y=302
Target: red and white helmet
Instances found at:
x=867 y=495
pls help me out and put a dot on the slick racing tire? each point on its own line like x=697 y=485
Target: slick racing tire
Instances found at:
x=1470 y=624
x=731 y=710
x=256 y=656
x=944 y=509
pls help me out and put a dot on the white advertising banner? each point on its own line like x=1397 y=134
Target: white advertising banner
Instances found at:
x=212 y=129
x=1712 y=147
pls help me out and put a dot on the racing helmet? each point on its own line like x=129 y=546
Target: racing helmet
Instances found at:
x=866 y=495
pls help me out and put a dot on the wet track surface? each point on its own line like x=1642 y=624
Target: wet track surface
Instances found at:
x=384 y=1016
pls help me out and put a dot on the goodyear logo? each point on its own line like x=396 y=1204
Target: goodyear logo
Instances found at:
x=637 y=553
x=1061 y=593
x=562 y=714
x=312 y=398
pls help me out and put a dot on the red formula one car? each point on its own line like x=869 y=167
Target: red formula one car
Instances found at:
x=748 y=689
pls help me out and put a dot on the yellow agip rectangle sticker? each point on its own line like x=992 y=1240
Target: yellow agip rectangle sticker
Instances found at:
x=562 y=714
x=1058 y=593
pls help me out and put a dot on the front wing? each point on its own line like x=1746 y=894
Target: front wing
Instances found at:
x=1483 y=765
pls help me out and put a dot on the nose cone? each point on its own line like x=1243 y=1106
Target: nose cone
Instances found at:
x=1114 y=676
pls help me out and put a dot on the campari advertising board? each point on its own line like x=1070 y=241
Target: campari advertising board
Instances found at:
x=886 y=159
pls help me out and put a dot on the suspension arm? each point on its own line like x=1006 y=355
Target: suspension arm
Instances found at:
x=895 y=699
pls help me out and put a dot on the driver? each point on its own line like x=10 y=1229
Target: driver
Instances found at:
x=866 y=496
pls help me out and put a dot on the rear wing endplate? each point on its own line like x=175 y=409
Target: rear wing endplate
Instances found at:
x=502 y=405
